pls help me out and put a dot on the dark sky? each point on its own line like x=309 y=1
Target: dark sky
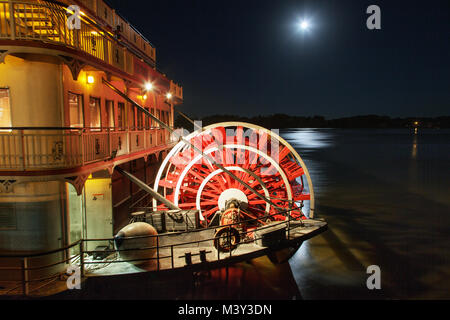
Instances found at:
x=247 y=57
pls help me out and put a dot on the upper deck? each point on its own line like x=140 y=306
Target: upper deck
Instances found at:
x=42 y=133
x=101 y=38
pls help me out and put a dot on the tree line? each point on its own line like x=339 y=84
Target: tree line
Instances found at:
x=281 y=121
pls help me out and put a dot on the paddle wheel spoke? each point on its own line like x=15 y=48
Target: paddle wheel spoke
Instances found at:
x=277 y=174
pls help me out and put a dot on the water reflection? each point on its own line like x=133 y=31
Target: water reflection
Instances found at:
x=414 y=146
x=375 y=188
x=306 y=140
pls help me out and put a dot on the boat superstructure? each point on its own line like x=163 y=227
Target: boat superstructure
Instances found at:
x=95 y=178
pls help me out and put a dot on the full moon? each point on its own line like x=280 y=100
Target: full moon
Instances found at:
x=304 y=25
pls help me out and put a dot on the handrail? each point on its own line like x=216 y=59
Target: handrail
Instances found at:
x=131 y=129
x=151 y=236
x=43 y=253
x=69 y=37
x=25 y=281
x=202 y=229
x=35 y=148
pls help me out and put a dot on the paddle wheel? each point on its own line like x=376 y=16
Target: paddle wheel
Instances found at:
x=279 y=181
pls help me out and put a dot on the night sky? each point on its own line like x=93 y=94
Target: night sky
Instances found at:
x=248 y=57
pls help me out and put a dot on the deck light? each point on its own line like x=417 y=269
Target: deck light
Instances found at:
x=148 y=86
x=144 y=97
x=169 y=95
x=90 y=79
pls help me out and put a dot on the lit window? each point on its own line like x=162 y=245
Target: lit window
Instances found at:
x=158 y=116
x=147 y=120
x=133 y=119
x=153 y=114
x=139 y=120
x=5 y=109
x=121 y=115
x=110 y=111
x=76 y=118
x=94 y=110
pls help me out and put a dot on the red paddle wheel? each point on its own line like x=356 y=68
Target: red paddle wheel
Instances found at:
x=257 y=156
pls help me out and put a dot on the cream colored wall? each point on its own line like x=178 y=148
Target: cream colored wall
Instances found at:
x=37 y=210
x=99 y=222
x=36 y=92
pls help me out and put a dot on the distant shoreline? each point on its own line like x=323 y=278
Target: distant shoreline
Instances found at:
x=284 y=121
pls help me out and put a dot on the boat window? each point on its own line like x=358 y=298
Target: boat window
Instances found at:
x=147 y=120
x=121 y=115
x=76 y=112
x=139 y=124
x=133 y=119
x=95 y=114
x=158 y=115
x=5 y=109
x=110 y=111
x=153 y=113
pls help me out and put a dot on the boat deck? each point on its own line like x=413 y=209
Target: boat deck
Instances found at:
x=170 y=264
x=297 y=233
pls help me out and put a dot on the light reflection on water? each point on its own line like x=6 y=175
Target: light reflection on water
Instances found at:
x=375 y=187
x=384 y=194
x=307 y=140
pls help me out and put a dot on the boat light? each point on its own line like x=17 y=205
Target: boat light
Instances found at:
x=90 y=79
x=148 y=86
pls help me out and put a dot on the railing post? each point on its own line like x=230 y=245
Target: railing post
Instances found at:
x=25 y=279
x=22 y=149
x=82 y=258
x=218 y=247
x=289 y=226
x=128 y=141
x=109 y=142
x=229 y=238
x=12 y=23
x=105 y=50
x=145 y=137
x=82 y=146
x=157 y=251
x=171 y=255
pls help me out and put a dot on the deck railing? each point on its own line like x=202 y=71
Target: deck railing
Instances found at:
x=75 y=254
x=47 y=22
x=54 y=148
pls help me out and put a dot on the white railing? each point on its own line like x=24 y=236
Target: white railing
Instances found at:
x=53 y=148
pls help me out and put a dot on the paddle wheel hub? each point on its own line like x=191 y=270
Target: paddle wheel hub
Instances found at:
x=232 y=194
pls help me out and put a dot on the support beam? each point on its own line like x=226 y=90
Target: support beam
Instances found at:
x=147 y=189
x=188 y=119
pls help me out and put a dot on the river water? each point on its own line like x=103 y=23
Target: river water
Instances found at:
x=386 y=197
